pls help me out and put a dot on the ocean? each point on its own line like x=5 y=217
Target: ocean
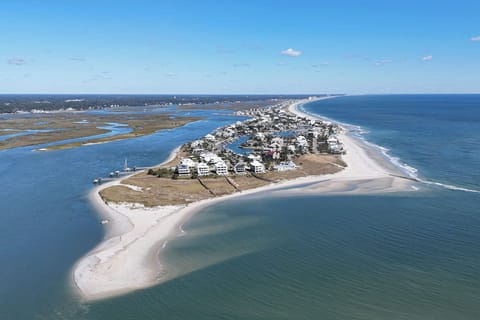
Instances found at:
x=410 y=255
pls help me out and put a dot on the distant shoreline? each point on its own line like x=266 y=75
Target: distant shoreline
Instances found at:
x=127 y=258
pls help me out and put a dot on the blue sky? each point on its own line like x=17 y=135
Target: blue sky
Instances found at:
x=240 y=46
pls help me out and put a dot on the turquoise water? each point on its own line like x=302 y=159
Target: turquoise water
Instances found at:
x=397 y=256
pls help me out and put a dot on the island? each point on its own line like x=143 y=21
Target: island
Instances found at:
x=276 y=147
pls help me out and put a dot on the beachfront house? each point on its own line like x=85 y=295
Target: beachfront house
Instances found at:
x=183 y=169
x=203 y=169
x=334 y=146
x=240 y=168
x=221 y=168
x=257 y=167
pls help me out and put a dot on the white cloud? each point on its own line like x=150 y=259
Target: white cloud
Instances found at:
x=477 y=38
x=381 y=63
x=17 y=61
x=427 y=58
x=291 y=52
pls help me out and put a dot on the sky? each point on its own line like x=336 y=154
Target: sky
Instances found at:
x=236 y=47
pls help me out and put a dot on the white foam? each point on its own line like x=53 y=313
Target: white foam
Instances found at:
x=360 y=132
x=449 y=186
x=410 y=171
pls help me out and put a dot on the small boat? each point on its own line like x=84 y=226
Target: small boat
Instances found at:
x=112 y=174
x=95 y=181
x=104 y=221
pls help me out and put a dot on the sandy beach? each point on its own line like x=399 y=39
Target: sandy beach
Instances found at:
x=127 y=258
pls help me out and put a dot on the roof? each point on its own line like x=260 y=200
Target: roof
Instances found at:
x=256 y=163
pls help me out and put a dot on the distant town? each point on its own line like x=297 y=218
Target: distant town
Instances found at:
x=40 y=103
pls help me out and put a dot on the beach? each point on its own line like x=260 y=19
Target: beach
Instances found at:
x=127 y=258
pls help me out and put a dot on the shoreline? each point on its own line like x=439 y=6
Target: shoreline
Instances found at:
x=127 y=258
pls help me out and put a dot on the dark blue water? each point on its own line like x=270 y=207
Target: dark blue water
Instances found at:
x=412 y=255
x=436 y=134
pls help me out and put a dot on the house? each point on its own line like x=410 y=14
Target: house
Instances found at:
x=188 y=162
x=302 y=141
x=278 y=141
x=183 y=169
x=240 y=168
x=257 y=167
x=254 y=157
x=260 y=136
x=196 y=143
x=221 y=168
x=275 y=146
x=203 y=169
x=210 y=157
x=209 y=137
x=332 y=140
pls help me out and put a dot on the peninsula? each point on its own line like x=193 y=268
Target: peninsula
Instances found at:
x=286 y=147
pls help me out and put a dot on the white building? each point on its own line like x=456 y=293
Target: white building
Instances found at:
x=203 y=169
x=183 y=169
x=278 y=141
x=221 y=168
x=188 y=162
x=196 y=143
x=209 y=137
x=254 y=157
x=210 y=157
x=257 y=167
x=302 y=141
x=260 y=135
x=240 y=168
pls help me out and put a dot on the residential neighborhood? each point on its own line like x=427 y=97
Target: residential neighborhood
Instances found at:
x=272 y=138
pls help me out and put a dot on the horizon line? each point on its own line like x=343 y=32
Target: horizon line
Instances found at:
x=242 y=94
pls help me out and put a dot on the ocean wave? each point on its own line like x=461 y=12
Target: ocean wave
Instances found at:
x=448 y=186
x=359 y=132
